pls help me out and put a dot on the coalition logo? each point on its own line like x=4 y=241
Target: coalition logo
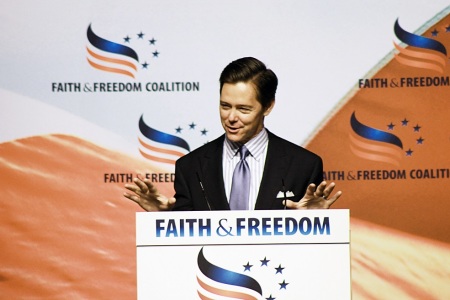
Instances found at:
x=109 y=56
x=394 y=145
x=422 y=52
x=385 y=146
x=164 y=147
x=127 y=59
x=426 y=52
x=216 y=282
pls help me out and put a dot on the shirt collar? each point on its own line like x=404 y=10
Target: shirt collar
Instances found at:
x=256 y=145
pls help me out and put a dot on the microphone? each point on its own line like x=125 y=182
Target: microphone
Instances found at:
x=284 y=192
x=203 y=190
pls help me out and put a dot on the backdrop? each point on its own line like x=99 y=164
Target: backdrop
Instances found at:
x=95 y=93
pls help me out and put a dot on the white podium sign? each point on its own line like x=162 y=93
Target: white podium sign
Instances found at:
x=274 y=255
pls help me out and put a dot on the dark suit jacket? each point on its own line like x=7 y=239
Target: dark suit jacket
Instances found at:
x=285 y=161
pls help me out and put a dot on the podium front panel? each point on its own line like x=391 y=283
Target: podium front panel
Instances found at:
x=277 y=254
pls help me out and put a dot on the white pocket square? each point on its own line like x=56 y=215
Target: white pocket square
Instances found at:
x=288 y=194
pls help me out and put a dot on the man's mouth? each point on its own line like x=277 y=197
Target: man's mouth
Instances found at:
x=233 y=129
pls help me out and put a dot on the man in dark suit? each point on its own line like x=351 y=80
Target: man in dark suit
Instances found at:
x=279 y=174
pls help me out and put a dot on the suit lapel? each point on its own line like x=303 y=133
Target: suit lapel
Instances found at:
x=212 y=172
x=275 y=168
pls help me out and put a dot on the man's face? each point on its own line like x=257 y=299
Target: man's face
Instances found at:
x=242 y=116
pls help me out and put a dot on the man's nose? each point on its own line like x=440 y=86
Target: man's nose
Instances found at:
x=232 y=117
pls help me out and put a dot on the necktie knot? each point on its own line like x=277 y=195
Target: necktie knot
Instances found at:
x=243 y=152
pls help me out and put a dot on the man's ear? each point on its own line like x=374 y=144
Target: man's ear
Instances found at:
x=269 y=108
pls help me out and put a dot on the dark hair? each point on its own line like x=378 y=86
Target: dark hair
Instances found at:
x=249 y=69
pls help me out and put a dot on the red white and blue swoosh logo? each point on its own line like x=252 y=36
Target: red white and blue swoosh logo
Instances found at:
x=423 y=52
x=163 y=147
x=215 y=282
x=119 y=58
x=385 y=145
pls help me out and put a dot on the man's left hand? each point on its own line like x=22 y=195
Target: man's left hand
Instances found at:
x=316 y=198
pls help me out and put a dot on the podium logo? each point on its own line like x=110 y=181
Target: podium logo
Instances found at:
x=216 y=282
x=113 y=57
x=423 y=52
x=384 y=146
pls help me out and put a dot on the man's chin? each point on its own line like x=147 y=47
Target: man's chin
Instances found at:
x=235 y=138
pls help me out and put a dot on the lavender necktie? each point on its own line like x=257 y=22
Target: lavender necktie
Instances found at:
x=240 y=187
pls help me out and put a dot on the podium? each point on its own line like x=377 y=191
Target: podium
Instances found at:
x=274 y=255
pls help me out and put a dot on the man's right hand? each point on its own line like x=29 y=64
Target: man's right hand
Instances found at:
x=147 y=196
